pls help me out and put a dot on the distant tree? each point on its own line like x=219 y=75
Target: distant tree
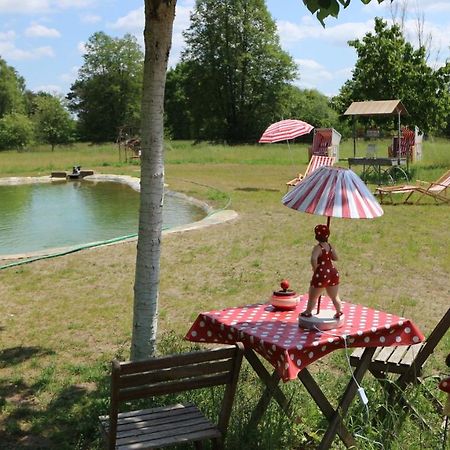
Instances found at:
x=388 y=67
x=108 y=90
x=311 y=106
x=12 y=88
x=16 y=131
x=53 y=123
x=179 y=122
x=235 y=69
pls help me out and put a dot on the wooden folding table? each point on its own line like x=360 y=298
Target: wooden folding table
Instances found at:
x=275 y=336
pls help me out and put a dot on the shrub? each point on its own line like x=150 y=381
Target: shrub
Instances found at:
x=16 y=131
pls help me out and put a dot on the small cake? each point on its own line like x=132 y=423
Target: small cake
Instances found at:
x=284 y=299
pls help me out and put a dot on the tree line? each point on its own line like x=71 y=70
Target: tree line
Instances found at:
x=232 y=81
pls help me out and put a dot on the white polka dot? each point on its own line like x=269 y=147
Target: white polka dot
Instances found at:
x=274 y=347
x=202 y=324
x=310 y=354
x=194 y=333
x=299 y=362
x=398 y=339
x=209 y=333
x=324 y=348
x=415 y=339
x=367 y=339
x=382 y=339
x=299 y=346
x=407 y=330
x=286 y=366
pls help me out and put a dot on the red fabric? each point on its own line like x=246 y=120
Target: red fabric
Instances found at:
x=325 y=274
x=276 y=336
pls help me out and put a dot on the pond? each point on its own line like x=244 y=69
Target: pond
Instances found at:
x=36 y=217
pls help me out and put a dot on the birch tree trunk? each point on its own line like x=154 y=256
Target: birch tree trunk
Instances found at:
x=159 y=17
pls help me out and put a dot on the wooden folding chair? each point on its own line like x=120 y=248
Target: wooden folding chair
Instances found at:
x=405 y=361
x=436 y=190
x=175 y=424
x=314 y=163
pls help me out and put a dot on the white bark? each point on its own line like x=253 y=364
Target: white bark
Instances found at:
x=159 y=17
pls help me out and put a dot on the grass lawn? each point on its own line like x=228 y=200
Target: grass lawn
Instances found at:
x=62 y=320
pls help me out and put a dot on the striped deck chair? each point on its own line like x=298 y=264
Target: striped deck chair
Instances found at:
x=314 y=163
x=436 y=190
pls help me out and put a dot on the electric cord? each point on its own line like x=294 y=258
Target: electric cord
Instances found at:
x=360 y=389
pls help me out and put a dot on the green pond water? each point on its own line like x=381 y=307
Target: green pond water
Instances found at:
x=36 y=217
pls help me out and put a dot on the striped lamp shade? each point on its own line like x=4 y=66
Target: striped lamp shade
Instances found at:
x=285 y=130
x=333 y=192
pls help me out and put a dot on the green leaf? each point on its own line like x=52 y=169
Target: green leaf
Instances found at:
x=324 y=4
x=312 y=5
x=334 y=8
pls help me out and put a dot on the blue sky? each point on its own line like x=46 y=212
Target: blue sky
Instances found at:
x=43 y=39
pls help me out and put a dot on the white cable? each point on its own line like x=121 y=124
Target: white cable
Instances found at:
x=359 y=387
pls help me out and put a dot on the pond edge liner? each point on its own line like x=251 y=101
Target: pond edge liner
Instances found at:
x=133 y=182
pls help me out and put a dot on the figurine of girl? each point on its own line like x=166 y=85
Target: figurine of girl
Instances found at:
x=325 y=276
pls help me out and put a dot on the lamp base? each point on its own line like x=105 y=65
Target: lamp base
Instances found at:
x=322 y=321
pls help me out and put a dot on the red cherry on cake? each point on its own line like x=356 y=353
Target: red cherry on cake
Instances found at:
x=284 y=285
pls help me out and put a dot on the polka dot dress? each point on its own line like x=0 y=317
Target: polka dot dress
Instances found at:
x=325 y=274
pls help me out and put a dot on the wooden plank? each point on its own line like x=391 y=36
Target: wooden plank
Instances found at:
x=384 y=354
x=193 y=436
x=397 y=355
x=178 y=360
x=166 y=436
x=173 y=387
x=167 y=427
x=175 y=373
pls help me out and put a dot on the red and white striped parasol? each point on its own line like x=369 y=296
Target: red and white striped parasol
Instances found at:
x=285 y=130
x=334 y=192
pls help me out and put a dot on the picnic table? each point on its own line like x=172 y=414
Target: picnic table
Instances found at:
x=389 y=175
x=275 y=336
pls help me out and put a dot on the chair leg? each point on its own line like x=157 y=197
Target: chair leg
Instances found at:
x=217 y=444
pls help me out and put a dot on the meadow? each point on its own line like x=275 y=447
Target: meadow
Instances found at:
x=63 y=319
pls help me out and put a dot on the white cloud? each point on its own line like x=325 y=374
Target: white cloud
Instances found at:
x=40 y=6
x=81 y=47
x=71 y=76
x=90 y=18
x=9 y=50
x=133 y=22
x=340 y=34
x=9 y=35
x=53 y=89
x=37 y=30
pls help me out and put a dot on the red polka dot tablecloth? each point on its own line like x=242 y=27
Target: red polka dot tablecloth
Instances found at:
x=276 y=336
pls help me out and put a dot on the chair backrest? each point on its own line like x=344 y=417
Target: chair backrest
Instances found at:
x=371 y=150
x=442 y=183
x=427 y=349
x=318 y=161
x=173 y=374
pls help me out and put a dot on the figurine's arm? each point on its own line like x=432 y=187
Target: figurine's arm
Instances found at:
x=334 y=255
x=314 y=256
